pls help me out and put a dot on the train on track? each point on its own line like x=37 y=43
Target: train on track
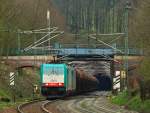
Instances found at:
x=58 y=80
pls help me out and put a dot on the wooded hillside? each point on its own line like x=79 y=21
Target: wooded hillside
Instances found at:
x=25 y=15
x=74 y=16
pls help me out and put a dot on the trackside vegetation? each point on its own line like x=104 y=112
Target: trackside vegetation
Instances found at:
x=132 y=103
x=26 y=80
x=139 y=36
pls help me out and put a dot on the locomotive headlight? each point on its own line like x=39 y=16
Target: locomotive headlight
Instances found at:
x=46 y=84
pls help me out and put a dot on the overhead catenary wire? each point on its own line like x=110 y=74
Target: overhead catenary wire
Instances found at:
x=114 y=39
x=43 y=41
x=40 y=39
x=38 y=31
x=91 y=36
x=35 y=42
x=111 y=34
x=45 y=29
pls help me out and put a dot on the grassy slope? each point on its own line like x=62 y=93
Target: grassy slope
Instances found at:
x=139 y=36
x=24 y=85
x=133 y=103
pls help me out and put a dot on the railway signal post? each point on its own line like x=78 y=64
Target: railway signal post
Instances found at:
x=12 y=85
x=127 y=7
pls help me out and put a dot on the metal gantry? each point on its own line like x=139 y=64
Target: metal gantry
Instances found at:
x=46 y=32
x=95 y=36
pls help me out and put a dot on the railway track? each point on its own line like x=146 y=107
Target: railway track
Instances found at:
x=45 y=104
x=80 y=104
x=86 y=106
x=43 y=107
x=76 y=104
x=35 y=106
x=97 y=105
x=21 y=107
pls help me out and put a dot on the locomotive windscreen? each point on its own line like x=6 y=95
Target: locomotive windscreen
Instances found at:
x=53 y=74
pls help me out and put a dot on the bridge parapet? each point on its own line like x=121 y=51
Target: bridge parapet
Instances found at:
x=78 y=51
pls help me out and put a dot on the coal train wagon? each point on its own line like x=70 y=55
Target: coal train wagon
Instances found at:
x=62 y=80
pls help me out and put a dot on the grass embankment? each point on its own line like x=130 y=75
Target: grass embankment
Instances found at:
x=23 y=89
x=5 y=105
x=133 y=103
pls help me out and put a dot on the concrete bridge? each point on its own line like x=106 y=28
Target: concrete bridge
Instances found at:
x=27 y=61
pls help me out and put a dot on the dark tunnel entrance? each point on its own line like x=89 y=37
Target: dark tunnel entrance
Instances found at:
x=105 y=82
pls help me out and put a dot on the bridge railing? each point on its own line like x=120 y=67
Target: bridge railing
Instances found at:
x=74 y=51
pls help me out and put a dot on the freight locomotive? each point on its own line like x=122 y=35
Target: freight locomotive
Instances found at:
x=63 y=80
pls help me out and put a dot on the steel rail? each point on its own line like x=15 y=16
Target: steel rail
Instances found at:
x=79 y=108
x=43 y=107
x=21 y=106
x=104 y=109
x=101 y=109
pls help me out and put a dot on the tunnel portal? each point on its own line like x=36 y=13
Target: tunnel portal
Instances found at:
x=105 y=82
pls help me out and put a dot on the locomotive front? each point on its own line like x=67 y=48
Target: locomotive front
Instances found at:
x=53 y=80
